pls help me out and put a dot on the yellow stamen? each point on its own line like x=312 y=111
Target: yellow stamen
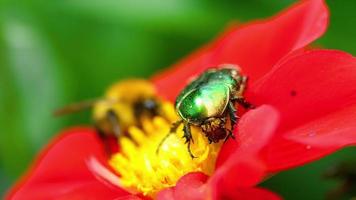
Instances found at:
x=144 y=171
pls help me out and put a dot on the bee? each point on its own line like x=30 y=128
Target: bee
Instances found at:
x=208 y=102
x=125 y=104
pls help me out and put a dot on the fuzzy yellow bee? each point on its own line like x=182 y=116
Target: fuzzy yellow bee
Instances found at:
x=125 y=104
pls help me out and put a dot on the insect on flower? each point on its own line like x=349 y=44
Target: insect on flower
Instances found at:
x=208 y=102
x=126 y=103
x=285 y=80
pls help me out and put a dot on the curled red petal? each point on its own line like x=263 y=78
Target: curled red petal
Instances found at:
x=191 y=186
x=256 y=47
x=315 y=95
x=253 y=132
x=166 y=194
x=196 y=186
x=241 y=167
x=245 y=172
x=61 y=171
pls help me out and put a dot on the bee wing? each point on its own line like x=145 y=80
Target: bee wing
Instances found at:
x=76 y=107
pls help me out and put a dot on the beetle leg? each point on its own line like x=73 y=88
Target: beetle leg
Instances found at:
x=233 y=120
x=173 y=130
x=242 y=101
x=188 y=138
x=232 y=113
x=210 y=141
x=187 y=133
x=229 y=135
x=114 y=121
x=241 y=89
x=190 y=152
x=238 y=97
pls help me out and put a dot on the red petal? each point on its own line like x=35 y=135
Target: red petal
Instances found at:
x=194 y=186
x=312 y=91
x=61 y=171
x=174 y=79
x=256 y=47
x=283 y=154
x=313 y=140
x=191 y=186
x=337 y=129
x=245 y=172
x=166 y=194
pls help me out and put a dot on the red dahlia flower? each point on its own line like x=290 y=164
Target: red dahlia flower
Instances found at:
x=305 y=109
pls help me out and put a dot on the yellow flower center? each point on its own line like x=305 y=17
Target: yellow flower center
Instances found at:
x=144 y=171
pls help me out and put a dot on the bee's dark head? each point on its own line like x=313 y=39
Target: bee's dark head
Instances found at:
x=147 y=106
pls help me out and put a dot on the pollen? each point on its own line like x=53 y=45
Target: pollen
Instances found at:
x=143 y=170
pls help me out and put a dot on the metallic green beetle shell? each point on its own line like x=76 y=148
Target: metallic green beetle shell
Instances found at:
x=207 y=96
x=198 y=104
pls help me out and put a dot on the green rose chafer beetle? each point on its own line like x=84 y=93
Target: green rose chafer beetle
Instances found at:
x=208 y=101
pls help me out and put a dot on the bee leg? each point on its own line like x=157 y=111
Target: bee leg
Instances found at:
x=173 y=130
x=114 y=121
x=104 y=139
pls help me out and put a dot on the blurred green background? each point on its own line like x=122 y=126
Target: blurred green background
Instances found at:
x=56 y=52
